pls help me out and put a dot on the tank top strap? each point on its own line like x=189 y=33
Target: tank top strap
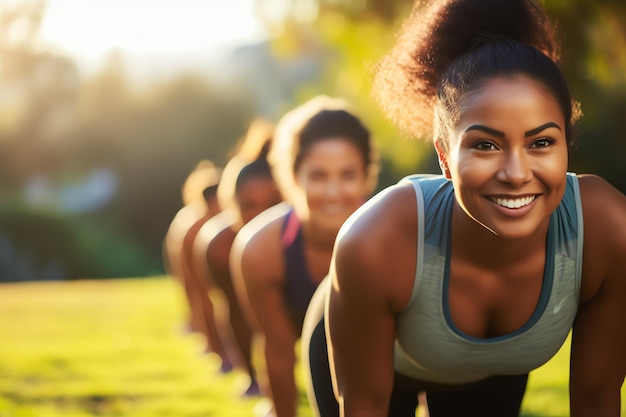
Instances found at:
x=291 y=226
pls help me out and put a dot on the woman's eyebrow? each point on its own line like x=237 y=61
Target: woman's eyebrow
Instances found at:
x=486 y=130
x=495 y=132
x=540 y=128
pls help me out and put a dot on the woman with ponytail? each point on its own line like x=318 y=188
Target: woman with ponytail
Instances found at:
x=458 y=285
x=324 y=160
x=246 y=189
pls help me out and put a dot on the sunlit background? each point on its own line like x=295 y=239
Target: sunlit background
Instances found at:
x=107 y=105
x=92 y=28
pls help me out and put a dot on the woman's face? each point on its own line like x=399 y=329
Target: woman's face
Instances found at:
x=508 y=159
x=255 y=195
x=332 y=180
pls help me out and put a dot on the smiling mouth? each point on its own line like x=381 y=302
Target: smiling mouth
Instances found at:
x=513 y=203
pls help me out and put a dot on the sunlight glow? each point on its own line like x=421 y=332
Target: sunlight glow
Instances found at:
x=91 y=28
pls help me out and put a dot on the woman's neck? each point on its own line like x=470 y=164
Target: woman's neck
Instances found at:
x=317 y=236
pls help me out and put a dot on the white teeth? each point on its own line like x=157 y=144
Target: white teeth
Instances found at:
x=513 y=202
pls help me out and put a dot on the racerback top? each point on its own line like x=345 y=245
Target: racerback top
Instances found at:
x=428 y=345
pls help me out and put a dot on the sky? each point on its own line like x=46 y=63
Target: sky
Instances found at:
x=89 y=29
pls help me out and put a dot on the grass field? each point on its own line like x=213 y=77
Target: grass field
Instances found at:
x=117 y=348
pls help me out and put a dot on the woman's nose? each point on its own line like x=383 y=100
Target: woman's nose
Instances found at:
x=516 y=168
x=333 y=188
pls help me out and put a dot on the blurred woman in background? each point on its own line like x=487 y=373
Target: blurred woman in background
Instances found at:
x=199 y=193
x=324 y=160
x=245 y=190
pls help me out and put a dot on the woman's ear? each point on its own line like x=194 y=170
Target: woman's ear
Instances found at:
x=443 y=161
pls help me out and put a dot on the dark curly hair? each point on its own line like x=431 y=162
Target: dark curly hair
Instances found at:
x=447 y=48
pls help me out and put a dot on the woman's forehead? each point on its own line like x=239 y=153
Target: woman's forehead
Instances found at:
x=500 y=91
x=506 y=103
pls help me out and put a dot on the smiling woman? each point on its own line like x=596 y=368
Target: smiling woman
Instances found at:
x=457 y=286
x=89 y=29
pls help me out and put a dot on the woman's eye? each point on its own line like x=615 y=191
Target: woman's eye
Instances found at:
x=484 y=146
x=542 y=143
x=350 y=175
x=316 y=176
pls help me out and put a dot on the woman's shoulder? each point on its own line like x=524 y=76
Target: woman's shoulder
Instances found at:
x=265 y=227
x=219 y=247
x=209 y=243
x=212 y=228
x=604 y=207
x=604 y=218
x=384 y=215
x=376 y=248
x=259 y=241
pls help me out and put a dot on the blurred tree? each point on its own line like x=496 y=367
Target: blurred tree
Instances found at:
x=594 y=61
x=173 y=127
x=151 y=138
x=63 y=138
x=36 y=87
x=42 y=246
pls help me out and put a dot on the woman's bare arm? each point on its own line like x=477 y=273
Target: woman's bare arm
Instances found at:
x=257 y=268
x=598 y=361
x=370 y=274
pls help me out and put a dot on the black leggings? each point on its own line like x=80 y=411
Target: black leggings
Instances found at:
x=497 y=396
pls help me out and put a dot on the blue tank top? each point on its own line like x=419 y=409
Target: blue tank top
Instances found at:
x=299 y=285
x=428 y=345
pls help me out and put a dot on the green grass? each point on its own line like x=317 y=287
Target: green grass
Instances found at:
x=107 y=348
x=116 y=348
